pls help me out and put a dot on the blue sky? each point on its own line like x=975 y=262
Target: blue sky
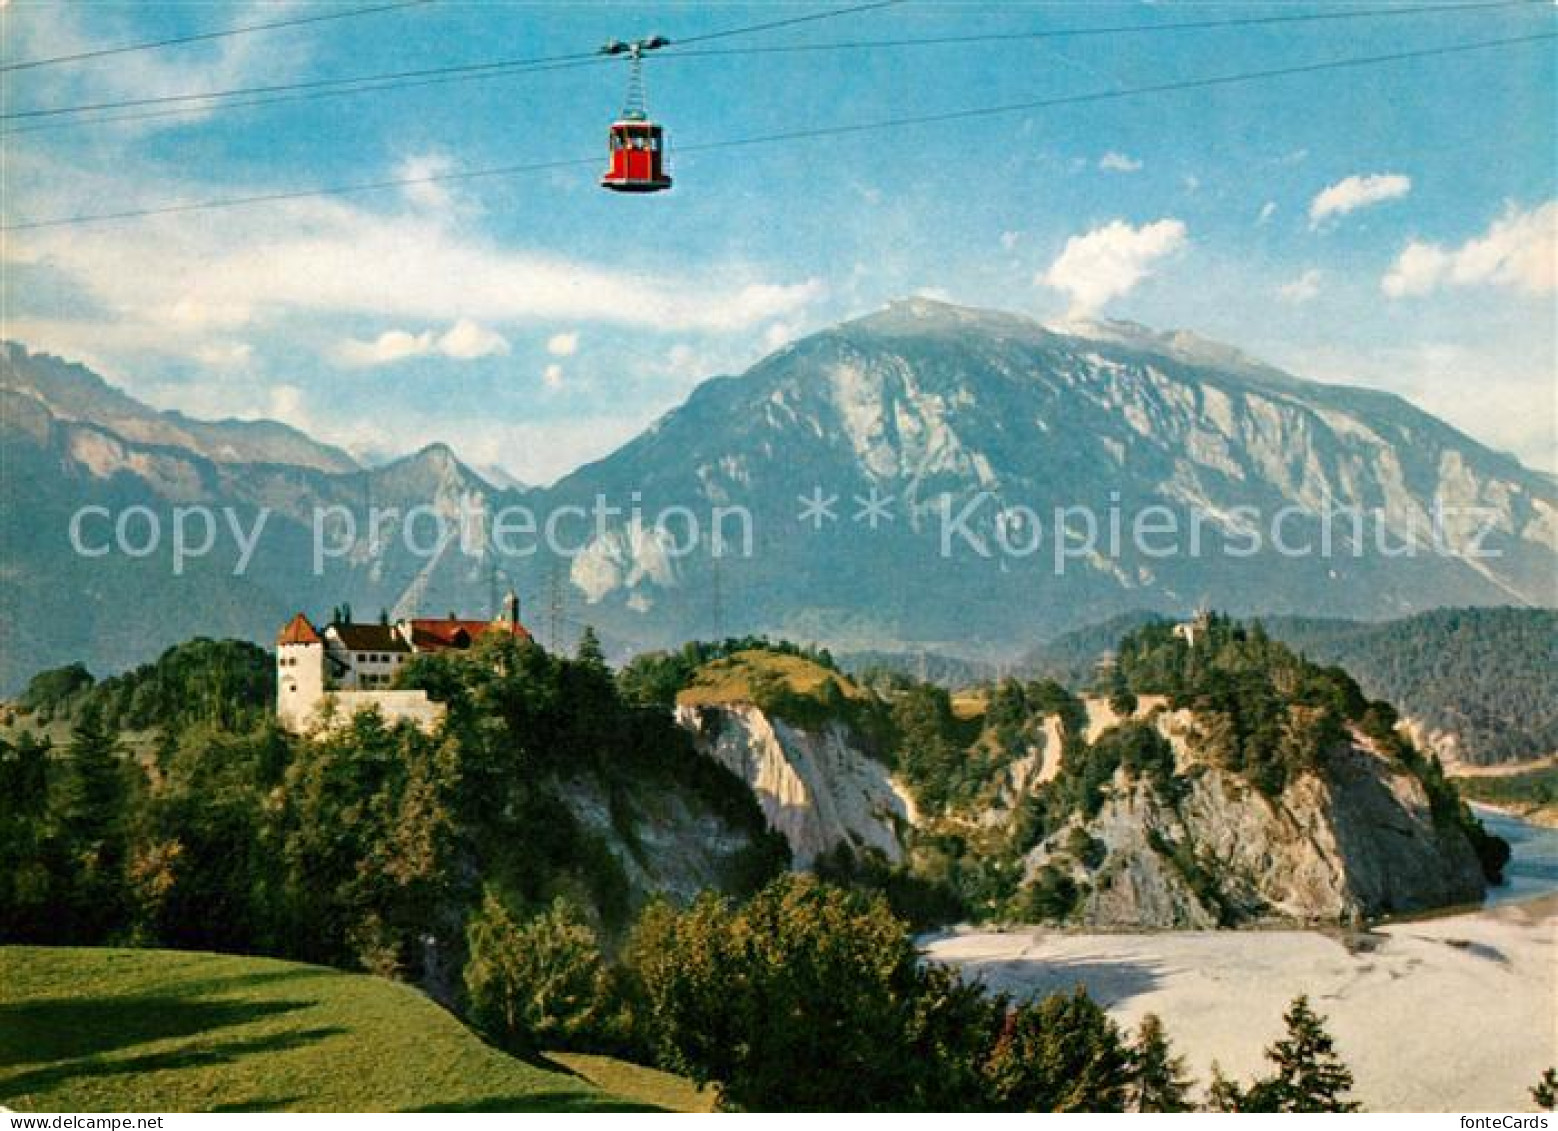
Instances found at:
x=1393 y=226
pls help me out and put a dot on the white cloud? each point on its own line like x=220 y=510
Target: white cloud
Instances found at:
x=388 y=347
x=1267 y=211
x=1418 y=269
x=224 y=355
x=552 y=376
x=37 y=31
x=286 y=405
x=1518 y=251
x=1112 y=162
x=1010 y=240
x=1303 y=288
x=329 y=257
x=1352 y=193
x=1108 y=262
x=426 y=194
x=563 y=345
x=778 y=334
x=464 y=341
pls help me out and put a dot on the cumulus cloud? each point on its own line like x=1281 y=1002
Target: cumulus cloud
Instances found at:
x=552 y=376
x=1303 y=288
x=464 y=341
x=1355 y=192
x=1517 y=251
x=1110 y=261
x=1112 y=162
x=563 y=345
x=1267 y=211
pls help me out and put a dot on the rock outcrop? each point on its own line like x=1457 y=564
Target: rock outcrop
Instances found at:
x=1354 y=840
x=816 y=787
x=667 y=841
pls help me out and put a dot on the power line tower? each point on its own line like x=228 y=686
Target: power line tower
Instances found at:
x=554 y=603
x=717 y=603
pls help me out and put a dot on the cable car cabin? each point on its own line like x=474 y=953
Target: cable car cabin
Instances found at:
x=637 y=157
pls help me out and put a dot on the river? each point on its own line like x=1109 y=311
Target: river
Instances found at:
x=1533 y=862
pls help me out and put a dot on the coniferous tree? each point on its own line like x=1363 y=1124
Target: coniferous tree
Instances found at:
x=91 y=826
x=1223 y=1094
x=1059 y=1054
x=1309 y=1076
x=1545 y=1091
x=1158 y=1079
x=590 y=651
x=26 y=878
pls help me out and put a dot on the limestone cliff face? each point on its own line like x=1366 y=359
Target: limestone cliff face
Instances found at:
x=816 y=788
x=1354 y=841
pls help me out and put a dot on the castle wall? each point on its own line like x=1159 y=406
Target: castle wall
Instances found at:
x=394 y=706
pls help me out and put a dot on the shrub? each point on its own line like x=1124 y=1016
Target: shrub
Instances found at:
x=535 y=984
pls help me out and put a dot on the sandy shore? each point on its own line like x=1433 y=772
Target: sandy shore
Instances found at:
x=1451 y=1014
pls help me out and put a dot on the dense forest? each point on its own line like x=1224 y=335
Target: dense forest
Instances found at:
x=1486 y=675
x=1489 y=676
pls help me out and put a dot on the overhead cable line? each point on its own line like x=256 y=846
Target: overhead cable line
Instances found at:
x=475 y=70
x=350 y=85
x=842 y=129
x=200 y=37
x=555 y=63
x=789 y=21
x=1109 y=30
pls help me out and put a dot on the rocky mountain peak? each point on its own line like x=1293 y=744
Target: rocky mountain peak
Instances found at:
x=74 y=394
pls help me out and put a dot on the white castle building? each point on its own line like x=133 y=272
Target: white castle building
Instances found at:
x=325 y=676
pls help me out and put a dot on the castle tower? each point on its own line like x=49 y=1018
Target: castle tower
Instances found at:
x=300 y=674
x=509 y=618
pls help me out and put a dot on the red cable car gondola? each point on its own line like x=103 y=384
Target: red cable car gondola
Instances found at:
x=637 y=144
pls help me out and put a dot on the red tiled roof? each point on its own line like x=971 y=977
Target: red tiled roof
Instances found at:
x=298 y=631
x=432 y=635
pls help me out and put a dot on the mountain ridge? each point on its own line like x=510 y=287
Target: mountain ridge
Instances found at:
x=932 y=406
x=70 y=391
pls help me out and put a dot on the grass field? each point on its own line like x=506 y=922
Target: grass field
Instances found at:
x=85 y=1029
x=730 y=680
